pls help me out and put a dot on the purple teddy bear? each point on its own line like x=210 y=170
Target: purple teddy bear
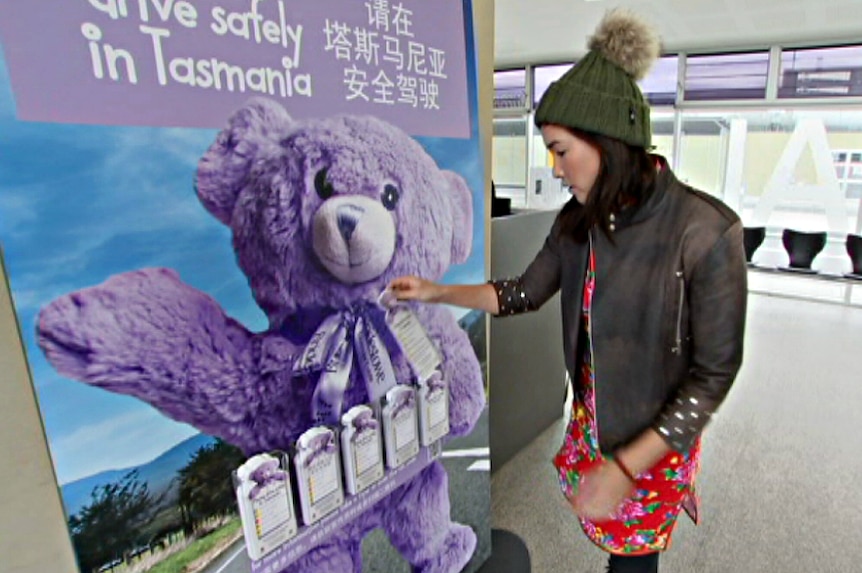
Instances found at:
x=324 y=213
x=263 y=475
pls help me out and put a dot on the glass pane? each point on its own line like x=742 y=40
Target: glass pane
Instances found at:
x=510 y=89
x=662 y=132
x=659 y=86
x=509 y=156
x=726 y=76
x=821 y=72
x=701 y=151
x=783 y=170
x=544 y=77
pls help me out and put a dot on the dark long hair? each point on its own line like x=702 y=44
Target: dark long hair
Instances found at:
x=626 y=179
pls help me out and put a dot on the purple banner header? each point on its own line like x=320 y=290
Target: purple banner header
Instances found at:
x=190 y=63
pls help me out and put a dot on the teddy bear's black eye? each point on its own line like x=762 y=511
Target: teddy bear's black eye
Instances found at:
x=390 y=197
x=322 y=186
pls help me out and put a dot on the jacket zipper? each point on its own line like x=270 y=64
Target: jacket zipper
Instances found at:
x=677 y=349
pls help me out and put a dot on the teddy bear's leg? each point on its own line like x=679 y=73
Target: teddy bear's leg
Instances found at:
x=419 y=527
x=341 y=556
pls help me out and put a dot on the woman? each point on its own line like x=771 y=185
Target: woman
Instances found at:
x=653 y=290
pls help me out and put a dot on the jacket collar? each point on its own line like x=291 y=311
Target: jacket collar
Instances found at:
x=665 y=179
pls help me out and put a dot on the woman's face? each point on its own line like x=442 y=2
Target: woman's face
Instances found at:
x=576 y=161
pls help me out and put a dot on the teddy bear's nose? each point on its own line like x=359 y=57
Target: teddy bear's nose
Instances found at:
x=348 y=217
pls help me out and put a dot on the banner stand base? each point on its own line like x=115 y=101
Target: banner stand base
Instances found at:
x=509 y=554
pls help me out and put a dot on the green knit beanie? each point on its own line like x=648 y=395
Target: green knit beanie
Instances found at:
x=600 y=94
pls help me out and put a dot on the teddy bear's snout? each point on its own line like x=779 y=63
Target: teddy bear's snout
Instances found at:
x=348 y=217
x=354 y=237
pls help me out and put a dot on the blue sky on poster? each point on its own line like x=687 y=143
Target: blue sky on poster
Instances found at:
x=80 y=203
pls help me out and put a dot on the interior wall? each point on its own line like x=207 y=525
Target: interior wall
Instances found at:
x=33 y=534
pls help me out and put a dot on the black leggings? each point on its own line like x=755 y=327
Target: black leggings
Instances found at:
x=637 y=564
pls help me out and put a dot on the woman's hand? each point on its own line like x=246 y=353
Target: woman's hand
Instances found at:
x=415 y=288
x=480 y=297
x=601 y=492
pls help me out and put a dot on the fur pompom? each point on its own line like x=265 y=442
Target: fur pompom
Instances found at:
x=628 y=41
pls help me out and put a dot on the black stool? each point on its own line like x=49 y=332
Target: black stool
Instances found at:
x=802 y=248
x=854 y=249
x=752 y=238
x=509 y=554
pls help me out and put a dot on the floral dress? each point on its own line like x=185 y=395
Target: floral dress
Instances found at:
x=644 y=522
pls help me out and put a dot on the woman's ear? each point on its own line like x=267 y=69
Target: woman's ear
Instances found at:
x=223 y=170
x=461 y=203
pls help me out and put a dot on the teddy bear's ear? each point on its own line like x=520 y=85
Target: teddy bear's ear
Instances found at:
x=461 y=202
x=223 y=170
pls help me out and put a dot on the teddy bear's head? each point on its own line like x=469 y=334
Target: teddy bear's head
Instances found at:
x=326 y=212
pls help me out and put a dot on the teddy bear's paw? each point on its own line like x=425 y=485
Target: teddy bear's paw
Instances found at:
x=458 y=548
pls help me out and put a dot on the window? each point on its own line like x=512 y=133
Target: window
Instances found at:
x=726 y=76
x=659 y=87
x=848 y=168
x=701 y=148
x=544 y=76
x=769 y=135
x=821 y=72
x=662 y=132
x=509 y=154
x=510 y=89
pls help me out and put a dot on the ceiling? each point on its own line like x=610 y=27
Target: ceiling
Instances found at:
x=542 y=31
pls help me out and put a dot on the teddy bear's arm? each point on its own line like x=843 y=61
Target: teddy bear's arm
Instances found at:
x=147 y=334
x=460 y=367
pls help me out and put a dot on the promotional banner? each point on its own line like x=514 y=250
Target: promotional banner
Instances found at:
x=187 y=62
x=201 y=204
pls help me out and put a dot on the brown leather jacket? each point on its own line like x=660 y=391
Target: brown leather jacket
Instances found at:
x=668 y=314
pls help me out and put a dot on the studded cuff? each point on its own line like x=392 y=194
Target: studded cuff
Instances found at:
x=511 y=298
x=682 y=421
